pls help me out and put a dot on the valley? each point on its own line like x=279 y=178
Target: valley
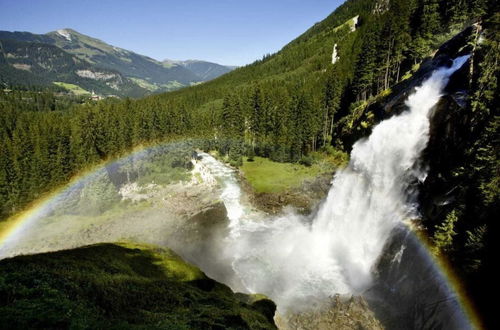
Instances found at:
x=348 y=180
x=93 y=65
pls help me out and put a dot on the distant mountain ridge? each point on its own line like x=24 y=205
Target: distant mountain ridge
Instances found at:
x=203 y=69
x=143 y=74
x=39 y=64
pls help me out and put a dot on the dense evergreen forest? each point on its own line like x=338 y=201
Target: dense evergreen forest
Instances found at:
x=283 y=107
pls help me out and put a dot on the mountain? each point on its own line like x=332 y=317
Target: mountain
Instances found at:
x=144 y=71
x=319 y=94
x=29 y=63
x=203 y=69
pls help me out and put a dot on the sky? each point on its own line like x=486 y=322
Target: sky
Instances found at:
x=230 y=32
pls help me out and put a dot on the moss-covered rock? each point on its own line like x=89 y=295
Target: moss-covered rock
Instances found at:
x=119 y=286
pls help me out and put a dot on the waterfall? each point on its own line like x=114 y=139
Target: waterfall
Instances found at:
x=296 y=260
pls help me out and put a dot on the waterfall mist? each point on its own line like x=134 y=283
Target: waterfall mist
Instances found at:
x=297 y=260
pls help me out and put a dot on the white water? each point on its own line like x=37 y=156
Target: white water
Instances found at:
x=295 y=260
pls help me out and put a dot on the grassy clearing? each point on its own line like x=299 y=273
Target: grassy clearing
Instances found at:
x=172 y=85
x=267 y=176
x=145 y=84
x=75 y=89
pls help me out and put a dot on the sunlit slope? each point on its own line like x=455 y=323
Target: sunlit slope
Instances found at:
x=143 y=70
x=120 y=286
x=304 y=60
x=38 y=64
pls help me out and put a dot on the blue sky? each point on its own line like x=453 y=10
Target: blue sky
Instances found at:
x=232 y=32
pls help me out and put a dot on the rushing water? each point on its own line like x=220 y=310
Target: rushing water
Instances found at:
x=296 y=260
x=299 y=260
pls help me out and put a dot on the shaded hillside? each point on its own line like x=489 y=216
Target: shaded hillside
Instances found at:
x=120 y=286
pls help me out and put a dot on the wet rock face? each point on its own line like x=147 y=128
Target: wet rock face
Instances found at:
x=451 y=129
x=260 y=302
x=201 y=227
x=207 y=220
x=409 y=292
x=460 y=44
x=200 y=240
x=394 y=104
x=457 y=46
x=451 y=123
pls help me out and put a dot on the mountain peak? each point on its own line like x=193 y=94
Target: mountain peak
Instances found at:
x=143 y=71
x=65 y=33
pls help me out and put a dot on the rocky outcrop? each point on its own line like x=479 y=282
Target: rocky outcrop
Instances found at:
x=342 y=313
x=383 y=107
x=461 y=44
x=448 y=139
x=335 y=56
x=259 y=302
x=199 y=239
x=211 y=219
x=96 y=75
x=304 y=198
x=451 y=133
x=406 y=265
x=409 y=291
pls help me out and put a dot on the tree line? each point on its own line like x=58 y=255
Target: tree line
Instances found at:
x=282 y=107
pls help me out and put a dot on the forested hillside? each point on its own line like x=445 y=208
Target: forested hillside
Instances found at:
x=283 y=107
x=37 y=64
x=142 y=73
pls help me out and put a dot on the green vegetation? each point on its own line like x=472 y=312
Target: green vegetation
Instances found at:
x=164 y=166
x=145 y=84
x=264 y=175
x=267 y=176
x=40 y=100
x=120 y=286
x=42 y=64
x=470 y=220
x=75 y=89
x=284 y=107
x=171 y=85
x=443 y=236
x=140 y=74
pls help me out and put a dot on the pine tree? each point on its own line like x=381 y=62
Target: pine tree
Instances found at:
x=445 y=232
x=430 y=20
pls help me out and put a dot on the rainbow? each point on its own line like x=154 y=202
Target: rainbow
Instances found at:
x=451 y=279
x=13 y=228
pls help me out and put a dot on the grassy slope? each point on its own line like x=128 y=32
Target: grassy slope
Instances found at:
x=303 y=59
x=266 y=176
x=75 y=89
x=119 y=286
